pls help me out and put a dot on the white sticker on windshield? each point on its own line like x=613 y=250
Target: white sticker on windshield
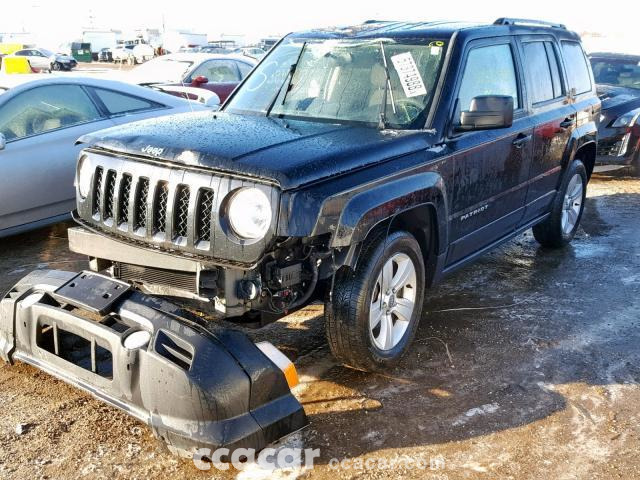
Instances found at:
x=410 y=78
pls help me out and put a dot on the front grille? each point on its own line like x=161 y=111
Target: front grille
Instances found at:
x=97 y=191
x=203 y=215
x=110 y=190
x=169 y=208
x=181 y=211
x=142 y=195
x=157 y=276
x=124 y=197
x=160 y=208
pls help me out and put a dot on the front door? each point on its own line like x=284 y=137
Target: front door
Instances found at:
x=492 y=166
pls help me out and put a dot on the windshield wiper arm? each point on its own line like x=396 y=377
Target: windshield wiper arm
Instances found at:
x=387 y=92
x=288 y=80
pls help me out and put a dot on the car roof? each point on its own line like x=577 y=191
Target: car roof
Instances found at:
x=438 y=29
x=20 y=83
x=201 y=57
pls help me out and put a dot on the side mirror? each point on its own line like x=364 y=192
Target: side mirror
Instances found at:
x=3 y=142
x=200 y=79
x=213 y=102
x=487 y=112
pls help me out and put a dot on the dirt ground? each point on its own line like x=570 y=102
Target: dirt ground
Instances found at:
x=540 y=379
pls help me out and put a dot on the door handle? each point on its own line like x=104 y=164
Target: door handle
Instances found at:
x=567 y=122
x=521 y=140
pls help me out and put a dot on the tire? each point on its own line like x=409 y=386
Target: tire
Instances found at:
x=568 y=207
x=353 y=341
x=55 y=66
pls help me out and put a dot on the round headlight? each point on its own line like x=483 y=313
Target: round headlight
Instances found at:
x=249 y=213
x=84 y=177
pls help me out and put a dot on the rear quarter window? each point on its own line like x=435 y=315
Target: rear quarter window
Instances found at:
x=120 y=103
x=575 y=61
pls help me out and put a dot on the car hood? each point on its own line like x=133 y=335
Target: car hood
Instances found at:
x=289 y=153
x=612 y=96
x=616 y=101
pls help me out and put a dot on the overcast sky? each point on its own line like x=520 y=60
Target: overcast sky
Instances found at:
x=61 y=19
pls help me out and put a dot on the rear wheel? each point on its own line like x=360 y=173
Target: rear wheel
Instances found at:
x=566 y=212
x=55 y=66
x=375 y=310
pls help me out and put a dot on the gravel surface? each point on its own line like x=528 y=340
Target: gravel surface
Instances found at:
x=526 y=366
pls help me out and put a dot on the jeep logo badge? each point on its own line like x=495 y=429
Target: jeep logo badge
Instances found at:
x=153 y=151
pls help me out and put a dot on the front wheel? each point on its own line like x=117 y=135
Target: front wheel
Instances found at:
x=374 y=312
x=55 y=66
x=566 y=211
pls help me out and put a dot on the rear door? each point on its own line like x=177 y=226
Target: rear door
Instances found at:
x=554 y=117
x=37 y=166
x=492 y=166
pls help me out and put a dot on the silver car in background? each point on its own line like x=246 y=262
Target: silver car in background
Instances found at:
x=40 y=121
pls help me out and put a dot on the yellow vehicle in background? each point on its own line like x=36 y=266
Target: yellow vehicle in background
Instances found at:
x=12 y=64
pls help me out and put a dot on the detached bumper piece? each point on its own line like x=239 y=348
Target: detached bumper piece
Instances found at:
x=196 y=387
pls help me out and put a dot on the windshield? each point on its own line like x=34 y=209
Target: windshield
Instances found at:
x=162 y=70
x=617 y=72
x=379 y=81
x=46 y=52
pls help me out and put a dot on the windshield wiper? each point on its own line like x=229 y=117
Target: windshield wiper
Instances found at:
x=382 y=124
x=288 y=80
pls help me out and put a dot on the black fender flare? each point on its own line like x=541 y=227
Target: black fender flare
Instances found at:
x=368 y=208
x=582 y=136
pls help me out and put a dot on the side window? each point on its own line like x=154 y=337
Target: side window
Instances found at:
x=22 y=53
x=489 y=71
x=218 y=71
x=577 y=69
x=244 y=68
x=44 y=109
x=118 y=103
x=552 y=55
x=538 y=72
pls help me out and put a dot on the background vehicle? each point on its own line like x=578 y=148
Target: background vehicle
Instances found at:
x=105 y=55
x=254 y=52
x=42 y=59
x=143 y=52
x=40 y=120
x=618 y=79
x=357 y=166
x=217 y=73
x=123 y=53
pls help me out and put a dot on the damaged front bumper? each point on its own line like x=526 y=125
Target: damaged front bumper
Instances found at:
x=195 y=387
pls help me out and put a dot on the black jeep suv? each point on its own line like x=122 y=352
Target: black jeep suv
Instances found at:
x=358 y=165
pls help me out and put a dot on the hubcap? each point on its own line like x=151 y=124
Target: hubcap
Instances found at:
x=572 y=204
x=392 y=301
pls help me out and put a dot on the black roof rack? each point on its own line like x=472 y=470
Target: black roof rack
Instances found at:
x=526 y=21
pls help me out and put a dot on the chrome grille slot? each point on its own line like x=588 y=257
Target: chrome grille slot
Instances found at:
x=181 y=211
x=110 y=191
x=123 y=200
x=204 y=210
x=160 y=208
x=97 y=191
x=142 y=194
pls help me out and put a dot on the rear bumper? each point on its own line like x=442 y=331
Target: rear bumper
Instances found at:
x=195 y=387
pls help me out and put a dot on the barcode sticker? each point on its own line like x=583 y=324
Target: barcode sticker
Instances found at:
x=410 y=77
